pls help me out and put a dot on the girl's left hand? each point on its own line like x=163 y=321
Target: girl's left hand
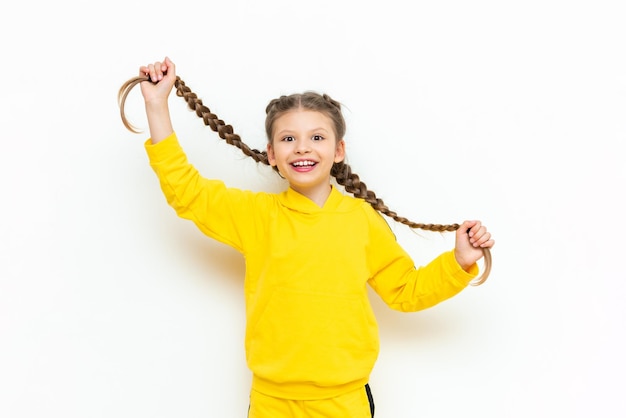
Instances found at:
x=471 y=238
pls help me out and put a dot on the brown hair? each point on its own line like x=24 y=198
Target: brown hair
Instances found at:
x=309 y=100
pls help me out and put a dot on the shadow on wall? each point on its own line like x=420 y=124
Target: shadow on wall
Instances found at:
x=213 y=259
x=435 y=323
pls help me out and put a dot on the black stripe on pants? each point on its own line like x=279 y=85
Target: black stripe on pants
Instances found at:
x=370 y=398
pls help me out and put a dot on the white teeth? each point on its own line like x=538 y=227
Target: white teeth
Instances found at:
x=303 y=163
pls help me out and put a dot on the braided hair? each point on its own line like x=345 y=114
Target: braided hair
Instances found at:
x=341 y=171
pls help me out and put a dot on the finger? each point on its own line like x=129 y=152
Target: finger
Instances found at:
x=476 y=233
x=169 y=68
x=158 y=71
x=150 y=73
x=489 y=244
x=482 y=239
x=472 y=227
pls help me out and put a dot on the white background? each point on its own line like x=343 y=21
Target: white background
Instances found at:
x=508 y=112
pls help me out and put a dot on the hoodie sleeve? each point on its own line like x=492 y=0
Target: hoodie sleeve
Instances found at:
x=402 y=285
x=225 y=214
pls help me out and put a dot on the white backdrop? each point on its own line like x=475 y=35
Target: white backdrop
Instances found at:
x=509 y=112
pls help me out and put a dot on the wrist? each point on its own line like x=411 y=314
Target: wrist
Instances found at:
x=462 y=262
x=157 y=104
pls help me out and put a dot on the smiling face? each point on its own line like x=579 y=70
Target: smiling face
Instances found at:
x=304 y=148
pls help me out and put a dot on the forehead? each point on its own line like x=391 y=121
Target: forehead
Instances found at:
x=303 y=120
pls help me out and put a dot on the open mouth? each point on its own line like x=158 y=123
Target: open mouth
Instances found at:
x=303 y=164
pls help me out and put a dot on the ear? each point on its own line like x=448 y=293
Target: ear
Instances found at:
x=340 y=151
x=271 y=158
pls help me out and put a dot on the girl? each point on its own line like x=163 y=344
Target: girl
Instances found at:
x=311 y=336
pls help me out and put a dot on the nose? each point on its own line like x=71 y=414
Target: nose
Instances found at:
x=302 y=147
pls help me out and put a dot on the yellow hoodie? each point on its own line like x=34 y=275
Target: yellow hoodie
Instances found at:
x=310 y=332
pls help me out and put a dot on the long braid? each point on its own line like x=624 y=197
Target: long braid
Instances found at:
x=341 y=171
x=194 y=103
x=353 y=184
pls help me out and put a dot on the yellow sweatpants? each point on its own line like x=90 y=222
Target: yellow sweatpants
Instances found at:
x=355 y=404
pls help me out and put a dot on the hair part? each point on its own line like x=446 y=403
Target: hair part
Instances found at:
x=309 y=100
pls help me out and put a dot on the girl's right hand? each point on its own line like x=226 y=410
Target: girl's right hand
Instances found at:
x=162 y=76
x=155 y=95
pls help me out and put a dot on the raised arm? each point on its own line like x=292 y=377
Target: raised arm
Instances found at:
x=155 y=95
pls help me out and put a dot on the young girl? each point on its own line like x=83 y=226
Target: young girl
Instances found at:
x=311 y=337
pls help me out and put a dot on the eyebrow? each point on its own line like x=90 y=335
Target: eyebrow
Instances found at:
x=291 y=131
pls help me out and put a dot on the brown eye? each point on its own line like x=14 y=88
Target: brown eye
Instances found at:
x=317 y=137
